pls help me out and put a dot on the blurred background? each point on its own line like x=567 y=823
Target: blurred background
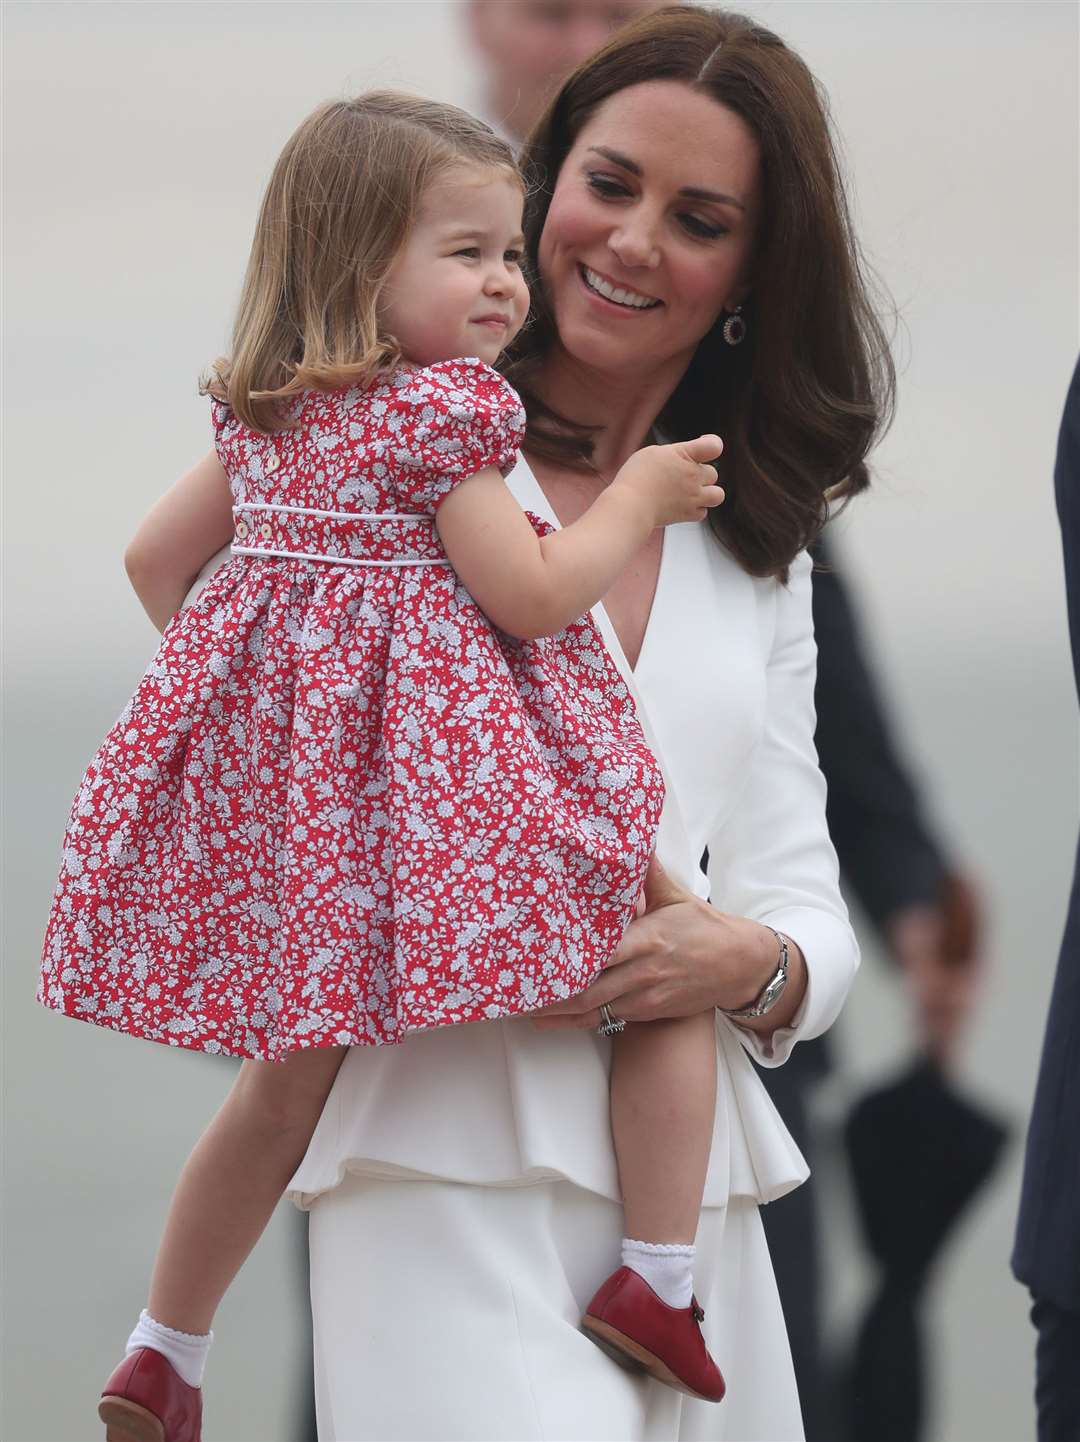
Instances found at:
x=137 y=142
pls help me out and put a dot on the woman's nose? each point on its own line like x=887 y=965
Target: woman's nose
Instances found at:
x=635 y=244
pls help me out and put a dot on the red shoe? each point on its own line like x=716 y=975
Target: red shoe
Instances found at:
x=636 y=1327
x=146 y=1400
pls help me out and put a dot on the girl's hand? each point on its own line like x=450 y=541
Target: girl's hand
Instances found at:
x=682 y=956
x=675 y=480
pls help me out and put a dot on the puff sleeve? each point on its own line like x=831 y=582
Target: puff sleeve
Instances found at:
x=773 y=860
x=450 y=421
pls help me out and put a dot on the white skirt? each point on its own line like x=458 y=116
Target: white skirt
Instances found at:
x=446 y=1311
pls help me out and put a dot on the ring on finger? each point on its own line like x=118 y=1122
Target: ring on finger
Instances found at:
x=611 y=1024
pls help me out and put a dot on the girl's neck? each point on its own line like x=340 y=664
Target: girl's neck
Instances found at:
x=625 y=406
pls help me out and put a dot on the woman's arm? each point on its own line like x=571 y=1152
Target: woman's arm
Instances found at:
x=191 y=521
x=773 y=861
x=530 y=585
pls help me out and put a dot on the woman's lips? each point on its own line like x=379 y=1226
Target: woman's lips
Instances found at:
x=612 y=306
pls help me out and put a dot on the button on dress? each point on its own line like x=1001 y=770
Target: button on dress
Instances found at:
x=342 y=807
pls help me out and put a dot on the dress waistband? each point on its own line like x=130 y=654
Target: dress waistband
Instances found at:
x=341 y=538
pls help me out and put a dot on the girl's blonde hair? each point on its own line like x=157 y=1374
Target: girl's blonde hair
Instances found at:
x=335 y=215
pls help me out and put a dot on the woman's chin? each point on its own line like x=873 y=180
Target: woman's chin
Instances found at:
x=596 y=349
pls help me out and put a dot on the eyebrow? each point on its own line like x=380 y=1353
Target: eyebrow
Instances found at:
x=478 y=232
x=692 y=192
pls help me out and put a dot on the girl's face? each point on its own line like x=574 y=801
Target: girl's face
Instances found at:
x=456 y=288
x=651 y=228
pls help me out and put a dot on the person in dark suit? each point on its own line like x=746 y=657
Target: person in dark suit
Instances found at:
x=1046 y=1256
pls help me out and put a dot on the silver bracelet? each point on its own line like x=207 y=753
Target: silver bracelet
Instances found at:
x=771 y=992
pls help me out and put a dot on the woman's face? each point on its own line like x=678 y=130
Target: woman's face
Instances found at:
x=651 y=228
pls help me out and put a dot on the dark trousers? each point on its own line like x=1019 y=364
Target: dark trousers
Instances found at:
x=1057 y=1371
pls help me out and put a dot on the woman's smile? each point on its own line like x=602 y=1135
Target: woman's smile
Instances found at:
x=622 y=297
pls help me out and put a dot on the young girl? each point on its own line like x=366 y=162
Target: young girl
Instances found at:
x=382 y=774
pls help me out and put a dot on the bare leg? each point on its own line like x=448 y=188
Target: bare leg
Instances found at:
x=663 y=1100
x=233 y=1180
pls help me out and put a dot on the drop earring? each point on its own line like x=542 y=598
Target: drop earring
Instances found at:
x=735 y=327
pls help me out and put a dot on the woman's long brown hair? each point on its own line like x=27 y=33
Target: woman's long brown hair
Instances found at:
x=800 y=402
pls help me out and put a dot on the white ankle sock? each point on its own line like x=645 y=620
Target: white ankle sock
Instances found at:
x=187 y=1351
x=668 y=1267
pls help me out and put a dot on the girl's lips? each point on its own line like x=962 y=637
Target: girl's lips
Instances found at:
x=496 y=322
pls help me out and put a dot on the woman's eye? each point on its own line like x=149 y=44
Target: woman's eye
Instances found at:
x=605 y=185
x=702 y=228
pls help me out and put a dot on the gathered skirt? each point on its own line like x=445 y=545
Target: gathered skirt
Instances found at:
x=447 y=1311
x=342 y=808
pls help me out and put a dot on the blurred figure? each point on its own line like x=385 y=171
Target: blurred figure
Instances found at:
x=1046 y=1257
x=529 y=47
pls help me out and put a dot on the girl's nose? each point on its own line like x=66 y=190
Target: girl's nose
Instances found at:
x=499 y=281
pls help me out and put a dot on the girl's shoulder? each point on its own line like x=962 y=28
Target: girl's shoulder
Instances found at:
x=302 y=408
x=308 y=416
x=465 y=388
x=453 y=418
x=446 y=422
x=316 y=429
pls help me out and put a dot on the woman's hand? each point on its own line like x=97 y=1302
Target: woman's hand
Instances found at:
x=681 y=956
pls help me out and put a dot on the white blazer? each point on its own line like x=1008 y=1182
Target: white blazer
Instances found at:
x=724 y=686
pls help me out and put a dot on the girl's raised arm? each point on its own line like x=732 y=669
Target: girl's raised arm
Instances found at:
x=531 y=585
x=191 y=521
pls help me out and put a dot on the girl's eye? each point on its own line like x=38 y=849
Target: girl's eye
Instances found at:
x=472 y=251
x=513 y=257
x=701 y=228
x=605 y=185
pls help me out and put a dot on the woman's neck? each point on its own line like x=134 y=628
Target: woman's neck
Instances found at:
x=625 y=406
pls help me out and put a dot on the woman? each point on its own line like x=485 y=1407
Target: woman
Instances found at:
x=693 y=269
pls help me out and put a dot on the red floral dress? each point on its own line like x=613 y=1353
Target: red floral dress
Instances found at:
x=342 y=806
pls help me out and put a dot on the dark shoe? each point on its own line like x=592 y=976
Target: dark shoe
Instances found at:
x=146 y=1400
x=636 y=1327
